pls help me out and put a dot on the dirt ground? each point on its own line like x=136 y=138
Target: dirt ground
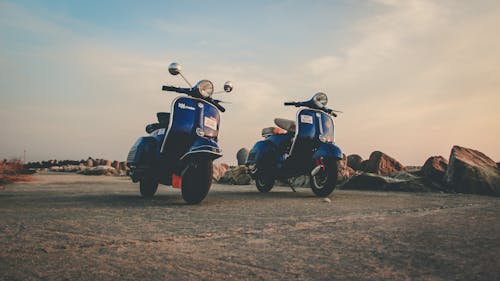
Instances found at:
x=98 y=228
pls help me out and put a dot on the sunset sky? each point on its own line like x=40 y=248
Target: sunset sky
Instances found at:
x=413 y=78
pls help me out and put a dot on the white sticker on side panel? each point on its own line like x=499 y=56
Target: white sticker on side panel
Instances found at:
x=210 y=123
x=161 y=131
x=306 y=119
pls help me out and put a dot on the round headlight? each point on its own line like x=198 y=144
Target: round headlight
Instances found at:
x=320 y=99
x=205 y=88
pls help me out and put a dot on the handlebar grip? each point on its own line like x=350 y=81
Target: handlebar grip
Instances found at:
x=290 y=103
x=176 y=89
x=331 y=112
x=169 y=88
x=217 y=104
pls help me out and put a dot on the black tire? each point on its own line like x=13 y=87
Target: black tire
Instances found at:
x=323 y=184
x=148 y=187
x=196 y=181
x=264 y=182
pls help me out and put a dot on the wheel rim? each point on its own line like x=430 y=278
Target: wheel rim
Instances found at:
x=320 y=179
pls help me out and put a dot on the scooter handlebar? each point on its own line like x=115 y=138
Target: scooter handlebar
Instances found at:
x=331 y=112
x=219 y=107
x=290 y=103
x=176 y=89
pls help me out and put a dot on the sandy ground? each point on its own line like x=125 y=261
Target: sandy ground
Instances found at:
x=98 y=228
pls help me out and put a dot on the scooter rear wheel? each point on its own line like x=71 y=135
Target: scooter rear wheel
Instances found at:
x=264 y=182
x=324 y=182
x=148 y=187
x=196 y=181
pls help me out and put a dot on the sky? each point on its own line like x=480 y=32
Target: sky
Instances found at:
x=413 y=78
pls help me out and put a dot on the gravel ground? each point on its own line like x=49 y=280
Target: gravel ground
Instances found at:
x=70 y=227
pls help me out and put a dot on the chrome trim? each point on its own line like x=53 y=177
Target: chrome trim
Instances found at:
x=200 y=151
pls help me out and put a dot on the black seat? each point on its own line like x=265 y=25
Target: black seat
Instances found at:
x=163 y=122
x=163 y=117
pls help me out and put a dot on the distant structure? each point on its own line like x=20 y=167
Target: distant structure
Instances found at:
x=241 y=156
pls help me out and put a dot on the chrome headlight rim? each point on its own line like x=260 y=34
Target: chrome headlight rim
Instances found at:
x=320 y=99
x=205 y=88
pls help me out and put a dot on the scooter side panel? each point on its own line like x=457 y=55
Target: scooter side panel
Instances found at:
x=261 y=154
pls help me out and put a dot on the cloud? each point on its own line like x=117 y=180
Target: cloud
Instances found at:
x=410 y=67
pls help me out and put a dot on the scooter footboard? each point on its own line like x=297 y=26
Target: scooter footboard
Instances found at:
x=328 y=150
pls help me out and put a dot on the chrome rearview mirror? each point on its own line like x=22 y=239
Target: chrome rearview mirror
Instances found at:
x=174 y=68
x=228 y=86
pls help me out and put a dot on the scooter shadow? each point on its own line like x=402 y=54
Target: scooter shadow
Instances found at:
x=118 y=201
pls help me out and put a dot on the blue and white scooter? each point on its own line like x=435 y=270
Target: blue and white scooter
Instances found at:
x=302 y=147
x=181 y=147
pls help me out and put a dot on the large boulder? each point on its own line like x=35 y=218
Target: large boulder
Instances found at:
x=241 y=156
x=470 y=171
x=354 y=161
x=219 y=170
x=237 y=175
x=367 y=181
x=382 y=164
x=434 y=168
x=402 y=181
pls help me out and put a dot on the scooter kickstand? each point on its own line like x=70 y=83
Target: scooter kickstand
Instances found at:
x=290 y=184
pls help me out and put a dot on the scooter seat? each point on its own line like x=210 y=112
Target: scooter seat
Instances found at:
x=285 y=124
x=163 y=122
x=269 y=131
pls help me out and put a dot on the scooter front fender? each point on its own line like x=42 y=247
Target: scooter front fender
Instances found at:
x=203 y=147
x=328 y=150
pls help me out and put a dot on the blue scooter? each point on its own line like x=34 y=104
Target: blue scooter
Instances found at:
x=181 y=147
x=304 y=147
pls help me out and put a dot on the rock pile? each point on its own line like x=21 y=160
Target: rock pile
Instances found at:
x=466 y=171
x=89 y=166
x=236 y=175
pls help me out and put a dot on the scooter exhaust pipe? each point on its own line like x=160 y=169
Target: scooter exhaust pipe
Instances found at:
x=315 y=171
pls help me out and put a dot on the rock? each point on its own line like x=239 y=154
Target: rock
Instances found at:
x=367 y=181
x=237 y=175
x=470 y=171
x=382 y=164
x=219 y=170
x=344 y=172
x=99 y=170
x=241 y=156
x=401 y=182
x=327 y=200
x=434 y=168
x=123 y=166
x=354 y=161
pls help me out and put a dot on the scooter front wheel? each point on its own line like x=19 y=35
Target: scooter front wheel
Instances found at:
x=323 y=182
x=148 y=187
x=264 y=182
x=196 y=181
